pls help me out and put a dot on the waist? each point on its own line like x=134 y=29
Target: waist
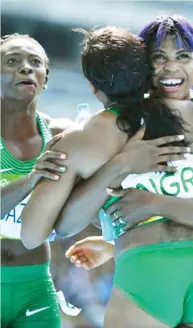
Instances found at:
x=13 y=253
x=25 y=272
x=181 y=244
x=161 y=232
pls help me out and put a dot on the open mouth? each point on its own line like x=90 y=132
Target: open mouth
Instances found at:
x=171 y=82
x=26 y=82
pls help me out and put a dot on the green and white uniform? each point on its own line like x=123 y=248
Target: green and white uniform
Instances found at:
x=159 y=277
x=28 y=296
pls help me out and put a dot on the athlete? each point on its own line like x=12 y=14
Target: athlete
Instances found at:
x=135 y=206
x=28 y=297
x=124 y=58
x=25 y=159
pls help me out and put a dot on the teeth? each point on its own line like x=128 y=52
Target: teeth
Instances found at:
x=171 y=81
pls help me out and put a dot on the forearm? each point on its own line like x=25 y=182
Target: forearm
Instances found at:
x=179 y=210
x=87 y=198
x=14 y=193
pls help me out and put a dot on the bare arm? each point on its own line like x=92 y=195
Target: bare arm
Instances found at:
x=176 y=209
x=136 y=205
x=88 y=197
x=14 y=193
x=87 y=152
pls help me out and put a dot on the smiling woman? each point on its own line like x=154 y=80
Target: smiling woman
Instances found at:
x=170 y=43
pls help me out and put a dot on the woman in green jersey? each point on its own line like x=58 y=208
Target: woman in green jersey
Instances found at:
x=28 y=297
x=24 y=161
x=111 y=59
x=173 y=77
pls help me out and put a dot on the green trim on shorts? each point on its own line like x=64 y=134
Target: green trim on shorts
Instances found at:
x=158 y=278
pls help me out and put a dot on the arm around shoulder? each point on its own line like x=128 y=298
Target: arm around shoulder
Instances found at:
x=179 y=210
x=86 y=154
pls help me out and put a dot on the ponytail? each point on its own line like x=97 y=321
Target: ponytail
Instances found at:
x=160 y=120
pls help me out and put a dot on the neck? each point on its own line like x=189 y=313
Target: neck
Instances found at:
x=109 y=104
x=18 y=119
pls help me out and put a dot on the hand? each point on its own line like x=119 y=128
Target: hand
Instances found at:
x=141 y=156
x=133 y=207
x=90 y=252
x=47 y=165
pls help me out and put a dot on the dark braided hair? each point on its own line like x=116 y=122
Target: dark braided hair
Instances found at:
x=116 y=62
x=6 y=38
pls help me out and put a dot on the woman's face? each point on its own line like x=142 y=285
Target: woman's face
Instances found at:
x=173 y=74
x=23 y=69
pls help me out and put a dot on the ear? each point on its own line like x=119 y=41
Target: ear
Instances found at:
x=46 y=79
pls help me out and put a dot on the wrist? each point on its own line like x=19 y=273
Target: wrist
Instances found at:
x=31 y=180
x=118 y=171
x=158 y=204
x=119 y=162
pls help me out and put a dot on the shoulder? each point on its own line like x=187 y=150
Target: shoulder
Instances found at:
x=57 y=125
x=93 y=144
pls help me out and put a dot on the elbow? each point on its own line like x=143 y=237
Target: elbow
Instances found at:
x=65 y=230
x=63 y=233
x=68 y=225
x=29 y=244
x=31 y=240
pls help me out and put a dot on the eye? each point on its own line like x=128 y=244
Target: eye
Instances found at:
x=36 y=61
x=184 y=57
x=12 y=61
x=159 y=59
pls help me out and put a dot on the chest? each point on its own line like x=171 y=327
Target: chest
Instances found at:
x=25 y=150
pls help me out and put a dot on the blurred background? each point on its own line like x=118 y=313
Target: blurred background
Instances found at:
x=51 y=23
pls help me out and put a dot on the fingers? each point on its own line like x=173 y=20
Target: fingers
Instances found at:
x=47 y=174
x=55 y=139
x=111 y=209
x=139 y=134
x=49 y=154
x=174 y=150
x=175 y=157
x=117 y=215
x=73 y=250
x=165 y=168
x=115 y=192
x=50 y=166
x=79 y=259
x=165 y=140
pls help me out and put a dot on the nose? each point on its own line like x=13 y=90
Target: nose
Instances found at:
x=25 y=68
x=171 y=66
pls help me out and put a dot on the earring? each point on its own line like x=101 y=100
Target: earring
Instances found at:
x=45 y=87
